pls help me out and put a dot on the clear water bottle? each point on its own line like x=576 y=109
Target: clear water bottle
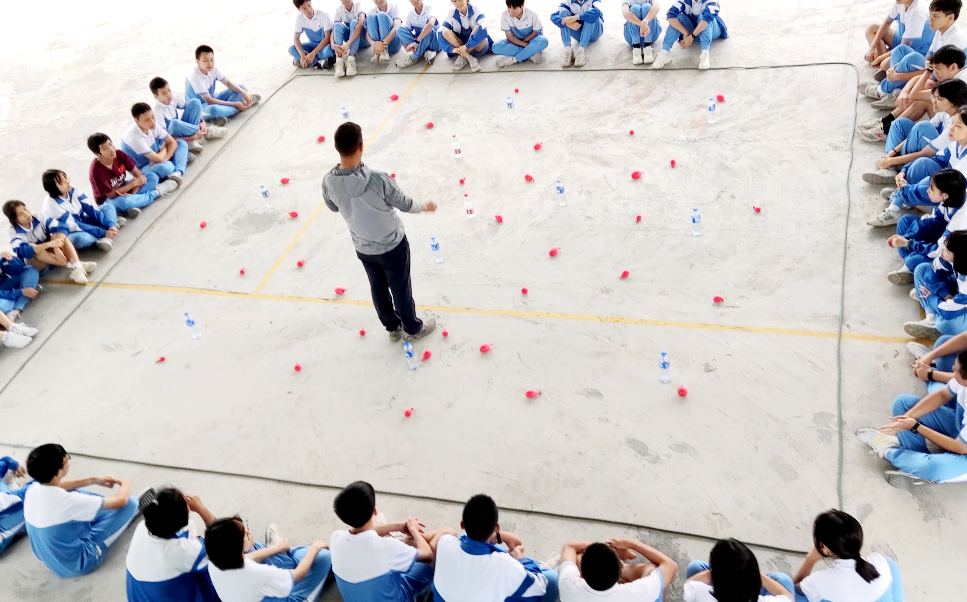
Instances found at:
x=561 y=199
x=345 y=113
x=456 y=148
x=664 y=368
x=412 y=362
x=468 y=206
x=696 y=222
x=265 y=195
x=711 y=111
x=435 y=250
x=192 y=327
x=510 y=108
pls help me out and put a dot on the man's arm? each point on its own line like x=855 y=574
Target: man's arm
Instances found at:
x=950 y=444
x=955 y=344
x=360 y=22
x=929 y=403
x=630 y=16
x=665 y=564
x=571 y=550
x=261 y=554
x=297 y=42
x=426 y=29
x=302 y=569
x=137 y=182
x=514 y=39
x=424 y=553
x=119 y=499
x=165 y=153
x=392 y=32
x=195 y=505
x=772 y=586
x=807 y=566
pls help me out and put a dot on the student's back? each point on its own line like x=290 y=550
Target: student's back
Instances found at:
x=841 y=583
x=370 y=568
x=172 y=569
x=59 y=524
x=472 y=571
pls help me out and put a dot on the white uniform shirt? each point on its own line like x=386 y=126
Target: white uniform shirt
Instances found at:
x=463 y=577
x=349 y=16
x=204 y=83
x=466 y=22
x=954 y=35
x=166 y=113
x=143 y=142
x=391 y=9
x=941 y=121
x=416 y=20
x=914 y=18
x=841 y=583
x=528 y=20
x=575 y=589
x=319 y=23
x=696 y=591
x=251 y=583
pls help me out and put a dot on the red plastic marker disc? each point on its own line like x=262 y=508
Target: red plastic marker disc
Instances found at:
x=636 y=175
x=394 y=97
x=673 y=164
x=284 y=180
x=298 y=368
x=340 y=291
x=631 y=133
x=445 y=333
x=408 y=412
x=321 y=139
x=625 y=274
x=682 y=391
x=718 y=299
x=393 y=175
x=160 y=359
x=637 y=219
x=429 y=125
x=293 y=214
x=362 y=332
x=242 y=271
x=463 y=180
x=553 y=251
x=523 y=290
x=529 y=178
x=516 y=90
x=757 y=209
x=499 y=218
x=301 y=262
x=426 y=355
x=531 y=393
x=720 y=98
x=485 y=347
x=538 y=146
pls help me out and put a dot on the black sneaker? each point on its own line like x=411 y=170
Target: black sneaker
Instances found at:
x=219 y=121
x=329 y=64
x=132 y=213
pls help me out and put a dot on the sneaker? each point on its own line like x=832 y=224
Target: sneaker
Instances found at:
x=24 y=330
x=404 y=61
x=703 y=61
x=553 y=561
x=887 y=218
x=296 y=63
x=191 y=158
x=146 y=497
x=914 y=294
x=396 y=335
x=664 y=57
x=647 y=55
x=329 y=64
x=887 y=193
x=888 y=102
x=458 y=63
x=536 y=59
x=917 y=350
x=122 y=221
x=474 y=65
x=166 y=187
x=922 y=329
x=175 y=176
x=505 y=61
x=877 y=441
x=219 y=121
x=374 y=58
x=351 y=66
x=874 y=134
x=870 y=90
x=567 y=58
x=272 y=535
x=14 y=340
x=872 y=123
x=132 y=213
x=13 y=315
x=880 y=177
x=428 y=325
x=340 y=66
x=580 y=58
x=901 y=275
x=384 y=56
x=429 y=56
x=904 y=480
x=195 y=146
x=256 y=98
x=78 y=275
x=636 y=56
x=215 y=132
x=104 y=244
x=879 y=75
x=89 y=266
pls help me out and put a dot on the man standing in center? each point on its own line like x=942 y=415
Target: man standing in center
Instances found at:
x=366 y=199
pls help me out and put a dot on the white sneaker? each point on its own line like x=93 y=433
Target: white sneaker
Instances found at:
x=78 y=275
x=568 y=57
x=215 y=132
x=375 y=58
x=887 y=218
x=340 y=69
x=664 y=57
x=89 y=266
x=873 y=134
x=880 y=177
x=580 y=59
x=384 y=56
x=351 y=66
x=166 y=187
x=914 y=294
x=505 y=61
x=404 y=61
x=922 y=329
x=272 y=535
x=887 y=193
x=647 y=55
x=474 y=64
x=175 y=176
x=191 y=158
x=888 y=102
x=868 y=125
x=903 y=480
x=24 y=330
x=901 y=275
x=636 y=56
x=458 y=63
x=877 y=441
x=429 y=56
x=195 y=146
x=14 y=340
x=256 y=99
x=122 y=221
x=870 y=90
x=104 y=244
x=917 y=350
x=703 y=61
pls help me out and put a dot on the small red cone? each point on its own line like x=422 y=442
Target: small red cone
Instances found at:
x=485 y=347
x=682 y=391
x=293 y=214
x=516 y=90
x=429 y=125
x=523 y=290
x=631 y=133
x=529 y=178
x=445 y=333
x=203 y=224
x=408 y=412
x=531 y=393
x=463 y=180
x=499 y=218
x=553 y=251
x=362 y=332
x=673 y=164
x=637 y=219
x=242 y=271
x=284 y=180
x=720 y=98
x=393 y=175
x=757 y=209
x=394 y=97
x=625 y=274
x=426 y=355
x=301 y=262
x=321 y=139
x=636 y=175
x=718 y=299
x=160 y=360
x=340 y=291
x=298 y=368
x=538 y=146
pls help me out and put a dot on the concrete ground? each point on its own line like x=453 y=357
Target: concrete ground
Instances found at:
x=761 y=444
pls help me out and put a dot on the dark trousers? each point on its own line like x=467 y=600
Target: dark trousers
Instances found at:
x=390 y=273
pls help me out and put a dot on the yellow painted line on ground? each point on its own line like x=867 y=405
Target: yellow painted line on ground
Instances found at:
x=315 y=213
x=511 y=313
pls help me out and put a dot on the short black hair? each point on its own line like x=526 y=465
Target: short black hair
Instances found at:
x=954 y=90
x=355 y=504
x=480 y=517
x=166 y=514
x=94 y=142
x=735 y=571
x=952 y=183
x=156 y=84
x=515 y=3
x=948 y=55
x=45 y=462
x=139 y=109
x=348 y=138
x=49 y=180
x=202 y=50
x=600 y=567
x=224 y=540
x=842 y=535
x=299 y=3
x=10 y=210
x=962 y=358
x=947 y=7
x=956 y=243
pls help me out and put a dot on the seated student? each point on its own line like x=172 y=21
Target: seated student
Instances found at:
x=244 y=571
x=189 y=126
x=348 y=36
x=641 y=29
x=910 y=195
x=18 y=285
x=34 y=243
x=524 y=41
x=688 y=21
x=382 y=22
x=838 y=538
x=317 y=26
x=419 y=35
x=368 y=563
x=595 y=571
x=586 y=20
x=116 y=179
x=67 y=210
x=12 y=523
x=15 y=335
x=464 y=35
x=913 y=29
x=200 y=84
x=732 y=575
x=941 y=289
x=71 y=529
x=907 y=64
x=166 y=561
x=153 y=149
x=487 y=563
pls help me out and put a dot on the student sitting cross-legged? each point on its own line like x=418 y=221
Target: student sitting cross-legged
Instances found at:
x=524 y=32
x=18 y=285
x=382 y=22
x=186 y=125
x=596 y=572
x=317 y=26
x=941 y=288
x=15 y=335
x=641 y=29
x=200 y=84
x=581 y=20
x=153 y=149
x=348 y=36
x=732 y=573
x=464 y=35
x=116 y=179
x=71 y=529
x=913 y=29
x=12 y=523
x=35 y=244
x=67 y=210
x=418 y=35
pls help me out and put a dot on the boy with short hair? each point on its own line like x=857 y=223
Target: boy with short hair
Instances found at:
x=34 y=243
x=382 y=22
x=71 y=529
x=116 y=179
x=69 y=211
x=189 y=127
x=368 y=562
x=348 y=36
x=419 y=35
x=524 y=41
x=12 y=523
x=641 y=29
x=200 y=84
x=690 y=20
x=487 y=563
x=603 y=576
x=317 y=26
x=464 y=35
x=586 y=20
x=913 y=29
x=153 y=149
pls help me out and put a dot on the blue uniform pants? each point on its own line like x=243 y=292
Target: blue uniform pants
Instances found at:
x=697 y=566
x=924 y=167
x=188 y=124
x=588 y=32
x=208 y=111
x=903 y=59
x=471 y=42
x=178 y=162
x=913 y=194
x=907 y=227
x=311 y=585
x=342 y=31
x=536 y=44
x=12 y=523
x=914 y=136
x=633 y=32
x=315 y=38
x=712 y=32
x=142 y=198
x=26 y=279
x=407 y=36
x=379 y=25
x=912 y=456
x=82 y=240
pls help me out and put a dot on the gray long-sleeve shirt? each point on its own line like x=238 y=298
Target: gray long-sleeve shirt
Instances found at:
x=366 y=199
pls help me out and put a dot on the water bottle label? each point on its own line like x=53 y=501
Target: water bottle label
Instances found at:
x=190 y=322
x=560 y=190
x=696 y=219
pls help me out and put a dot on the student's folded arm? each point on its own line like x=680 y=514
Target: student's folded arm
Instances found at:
x=530 y=37
x=775 y=588
x=119 y=499
x=297 y=42
x=665 y=564
x=154 y=158
x=302 y=569
x=591 y=15
x=630 y=16
x=950 y=444
x=653 y=13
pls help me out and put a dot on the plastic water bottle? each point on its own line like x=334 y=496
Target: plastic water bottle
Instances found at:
x=711 y=111
x=664 y=368
x=561 y=199
x=468 y=206
x=265 y=195
x=412 y=362
x=435 y=249
x=696 y=222
x=456 y=148
x=192 y=327
x=510 y=108
x=345 y=113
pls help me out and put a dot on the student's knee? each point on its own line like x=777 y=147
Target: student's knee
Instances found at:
x=906 y=224
x=903 y=403
x=639 y=11
x=695 y=567
x=559 y=16
x=539 y=42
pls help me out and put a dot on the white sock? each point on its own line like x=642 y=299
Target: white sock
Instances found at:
x=931 y=317
x=73 y=266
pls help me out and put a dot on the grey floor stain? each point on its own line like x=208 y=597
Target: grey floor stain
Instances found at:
x=592 y=393
x=783 y=469
x=641 y=448
x=684 y=448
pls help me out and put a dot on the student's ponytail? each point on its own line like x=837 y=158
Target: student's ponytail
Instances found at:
x=842 y=536
x=866 y=570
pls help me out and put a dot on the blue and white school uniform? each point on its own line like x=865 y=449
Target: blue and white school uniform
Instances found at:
x=904 y=59
x=953 y=155
x=22 y=240
x=690 y=13
x=137 y=144
x=462 y=25
x=345 y=22
x=696 y=591
x=166 y=570
x=413 y=27
x=575 y=589
x=198 y=84
x=472 y=571
x=916 y=136
x=640 y=9
x=271 y=580
x=82 y=220
x=16 y=275
x=913 y=25
x=923 y=234
x=314 y=31
x=380 y=23
x=841 y=583
x=12 y=523
x=370 y=568
x=520 y=28
x=590 y=17
x=181 y=125
x=69 y=531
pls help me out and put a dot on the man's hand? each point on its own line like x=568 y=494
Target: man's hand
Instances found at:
x=621 y=543
x=924 y=292
x=899 y=424
x=304 y=60
x=282 y=546
x=645 y=29
x=318 y=545
x=141 y=180
x=240 y=105
x=29 y=292
x=59 y=255
x=247 y=97
x=429 y=206
x=901 y=180
x=891 y=75
x=920 y=371
x=411 y=47
x=378 y=46
x=105 y=481
x=194 y=502
x=897 y=242
x=870 y=55
x=413 y=525
x=112 y=232
x=517 y=552
x=886 y=162
x=687 y=41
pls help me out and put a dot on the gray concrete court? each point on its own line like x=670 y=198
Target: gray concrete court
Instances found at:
x=752 y=452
